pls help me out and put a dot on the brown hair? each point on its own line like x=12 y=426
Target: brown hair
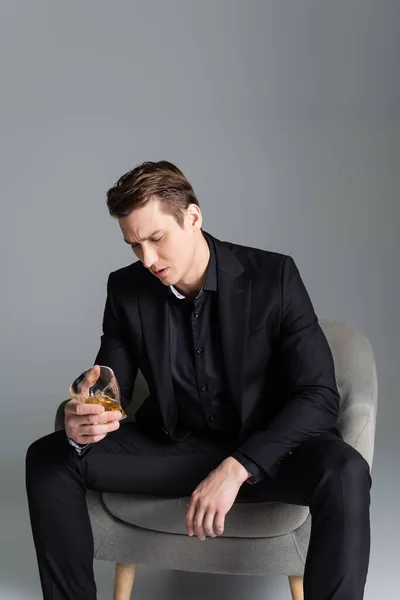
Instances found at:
x=162 y=179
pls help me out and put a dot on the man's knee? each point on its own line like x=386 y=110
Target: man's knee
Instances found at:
x=352 y=465
x=348 y=471
x=42 y=446
x=45 y=452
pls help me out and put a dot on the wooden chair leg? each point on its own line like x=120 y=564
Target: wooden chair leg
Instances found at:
x=296 y=587
x=123 y=583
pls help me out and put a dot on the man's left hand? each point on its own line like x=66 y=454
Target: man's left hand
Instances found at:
x=214 y=497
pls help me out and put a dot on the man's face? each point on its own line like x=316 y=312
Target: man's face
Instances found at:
x=160 y=243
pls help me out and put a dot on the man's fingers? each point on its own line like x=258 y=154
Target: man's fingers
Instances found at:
x=189 y=518
x=90 y=378
x=92 y=439
x=88 y=423
x=80 y=408
x=94 y=374
x=93 y=433
x=208 y=522
x=97 y=438
x=198 y=522
x=194 y=520
x=219 y=523
x=98 y=429
x=108 y=416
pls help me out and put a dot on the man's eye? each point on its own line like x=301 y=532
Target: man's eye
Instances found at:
x=134 y=246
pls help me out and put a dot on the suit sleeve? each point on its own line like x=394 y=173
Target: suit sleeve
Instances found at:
x=256 y=472
x=114 y=352
x=115 y=349
x=306 y=368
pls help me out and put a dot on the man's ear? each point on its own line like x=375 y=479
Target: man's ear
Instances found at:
x=195 y=217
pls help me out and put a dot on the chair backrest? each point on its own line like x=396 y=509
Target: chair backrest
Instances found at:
x=355 y=377
x=354 y=361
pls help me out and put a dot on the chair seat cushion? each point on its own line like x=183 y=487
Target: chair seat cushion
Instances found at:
x=248 y=517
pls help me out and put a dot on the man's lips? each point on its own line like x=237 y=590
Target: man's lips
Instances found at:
x=160 y=272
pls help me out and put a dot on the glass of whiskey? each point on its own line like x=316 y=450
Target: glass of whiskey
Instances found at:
x=98 y=385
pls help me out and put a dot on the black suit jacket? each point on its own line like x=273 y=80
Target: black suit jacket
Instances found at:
x=277 y=361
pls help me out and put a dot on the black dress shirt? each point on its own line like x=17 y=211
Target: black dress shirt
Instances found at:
x=198 y=376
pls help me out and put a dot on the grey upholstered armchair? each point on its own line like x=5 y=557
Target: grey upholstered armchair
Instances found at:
x=260 y=538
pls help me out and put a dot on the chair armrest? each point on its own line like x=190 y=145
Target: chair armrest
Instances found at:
x=357 y=383
x=357 y=424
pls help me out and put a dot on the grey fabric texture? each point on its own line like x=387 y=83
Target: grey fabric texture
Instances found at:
x=168 y=515
x=260 y=538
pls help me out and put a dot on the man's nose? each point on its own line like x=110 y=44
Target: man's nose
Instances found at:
x=149 y=258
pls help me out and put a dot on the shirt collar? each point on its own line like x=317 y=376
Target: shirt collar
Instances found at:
x=210 y=284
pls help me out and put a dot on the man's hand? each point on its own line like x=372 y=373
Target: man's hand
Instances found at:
x=87 y=423
x=214 y=497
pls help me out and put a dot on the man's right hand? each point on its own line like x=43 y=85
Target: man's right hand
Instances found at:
x=83 y=422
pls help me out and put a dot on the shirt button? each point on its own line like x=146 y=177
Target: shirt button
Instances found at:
x=203 y=388
x=196 y=315
x=199 y=351
x=211 y=418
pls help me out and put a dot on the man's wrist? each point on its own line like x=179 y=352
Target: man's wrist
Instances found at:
x=236 y=470
x=257 y=473
x=78 y=447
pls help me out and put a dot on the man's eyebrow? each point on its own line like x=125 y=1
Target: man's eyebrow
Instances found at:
x=143 y=239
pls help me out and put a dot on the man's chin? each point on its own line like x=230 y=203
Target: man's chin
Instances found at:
x=165 y=279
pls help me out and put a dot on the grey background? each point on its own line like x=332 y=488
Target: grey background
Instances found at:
x=284 y=116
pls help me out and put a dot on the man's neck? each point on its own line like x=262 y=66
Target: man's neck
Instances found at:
x=190 y=288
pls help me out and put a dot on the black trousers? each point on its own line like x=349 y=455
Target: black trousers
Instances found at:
x=324 y=473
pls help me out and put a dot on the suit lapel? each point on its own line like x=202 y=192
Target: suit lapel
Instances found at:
x=234 y=297
x=153 y=307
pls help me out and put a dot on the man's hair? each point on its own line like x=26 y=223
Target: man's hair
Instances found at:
x=161 y=179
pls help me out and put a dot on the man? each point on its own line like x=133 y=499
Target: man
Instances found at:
x=243 y=399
